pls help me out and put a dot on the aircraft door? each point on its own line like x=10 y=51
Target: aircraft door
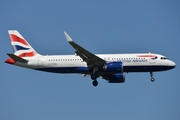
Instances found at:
x=151 y=60
x=40 y=61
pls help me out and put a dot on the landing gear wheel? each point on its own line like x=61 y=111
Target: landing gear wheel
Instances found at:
x=93 y=76
x=95 y=83
x=152 y=79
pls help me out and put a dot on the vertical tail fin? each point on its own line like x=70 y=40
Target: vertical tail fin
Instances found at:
x=20 y=46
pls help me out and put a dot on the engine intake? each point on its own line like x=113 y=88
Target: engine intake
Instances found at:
x=113 y=67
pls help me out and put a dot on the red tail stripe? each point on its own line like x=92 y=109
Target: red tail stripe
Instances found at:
x=29 y=54
x=15 y=38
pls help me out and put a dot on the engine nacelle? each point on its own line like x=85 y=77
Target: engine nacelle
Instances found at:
x=113 y=67
x=115 y=78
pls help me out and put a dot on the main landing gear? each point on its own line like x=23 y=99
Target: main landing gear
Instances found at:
x=95 y=83
x=152 y=78
x=94 y=77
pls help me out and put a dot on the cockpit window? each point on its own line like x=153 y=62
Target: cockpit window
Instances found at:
x=163 y=58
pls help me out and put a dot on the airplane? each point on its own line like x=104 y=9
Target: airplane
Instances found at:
x=111 y=67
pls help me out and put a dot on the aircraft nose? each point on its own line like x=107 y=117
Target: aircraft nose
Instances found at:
x=172 y=64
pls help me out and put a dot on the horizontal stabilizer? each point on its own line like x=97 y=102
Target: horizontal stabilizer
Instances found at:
x=16 y=58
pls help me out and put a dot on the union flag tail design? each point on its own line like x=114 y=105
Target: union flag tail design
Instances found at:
x=20 y=46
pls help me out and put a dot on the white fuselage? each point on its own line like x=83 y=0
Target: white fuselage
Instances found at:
x=74 y=64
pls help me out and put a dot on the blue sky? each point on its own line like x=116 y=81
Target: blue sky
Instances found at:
x=101 y=27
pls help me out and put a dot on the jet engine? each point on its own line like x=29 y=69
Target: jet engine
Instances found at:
x=115 y=78
x=113 y=67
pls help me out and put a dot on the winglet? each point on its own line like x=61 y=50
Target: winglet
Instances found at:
x=68 y=37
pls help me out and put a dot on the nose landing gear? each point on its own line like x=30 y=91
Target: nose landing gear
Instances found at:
x=152 y=78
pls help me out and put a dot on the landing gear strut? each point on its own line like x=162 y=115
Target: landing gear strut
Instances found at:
x=94 y=76
x=152 y=78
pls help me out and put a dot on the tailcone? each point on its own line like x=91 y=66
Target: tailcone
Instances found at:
x=9 y=61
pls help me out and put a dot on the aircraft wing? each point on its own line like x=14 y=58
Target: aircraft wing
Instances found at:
x=90 y=58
